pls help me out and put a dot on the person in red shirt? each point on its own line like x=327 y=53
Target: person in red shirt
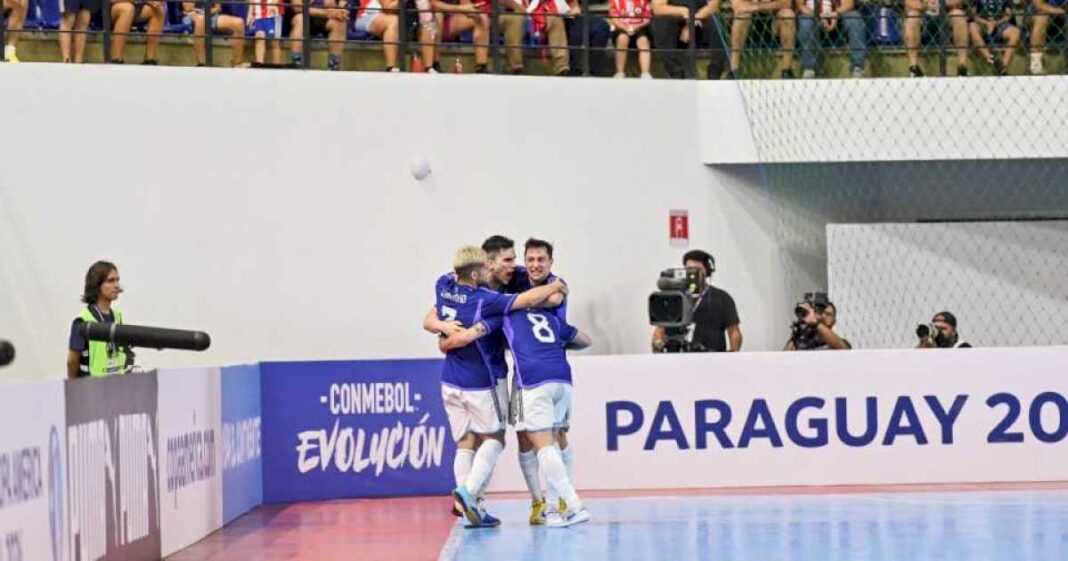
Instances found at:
x=630 y=26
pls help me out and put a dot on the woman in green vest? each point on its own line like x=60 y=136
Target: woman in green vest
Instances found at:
x=94 y=358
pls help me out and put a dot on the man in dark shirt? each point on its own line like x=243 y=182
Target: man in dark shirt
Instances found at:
x=715 y=317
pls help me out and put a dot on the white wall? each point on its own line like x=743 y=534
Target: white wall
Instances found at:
x=1004 y=281
x=275 y=210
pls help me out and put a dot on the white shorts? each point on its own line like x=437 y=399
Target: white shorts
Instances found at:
x=544 y=407
x=477 y=411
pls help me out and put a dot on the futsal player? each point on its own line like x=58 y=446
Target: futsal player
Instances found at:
x=475 y=402
x=543 y=377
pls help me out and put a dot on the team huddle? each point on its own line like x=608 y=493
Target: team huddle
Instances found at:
x=488 y=303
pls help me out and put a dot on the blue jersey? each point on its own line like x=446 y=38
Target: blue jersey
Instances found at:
x=479 y=365
x=537 y=339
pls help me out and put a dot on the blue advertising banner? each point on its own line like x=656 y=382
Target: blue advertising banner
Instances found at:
x=242 y=483
x=354 y=429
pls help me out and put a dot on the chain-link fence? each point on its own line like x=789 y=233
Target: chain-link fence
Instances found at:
x=670 y=38
x=953 y=190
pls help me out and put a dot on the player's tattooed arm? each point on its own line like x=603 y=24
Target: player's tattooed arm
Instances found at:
x=436 y=326
x=463 y=338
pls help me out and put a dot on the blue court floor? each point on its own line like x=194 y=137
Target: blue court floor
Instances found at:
x=983 y=525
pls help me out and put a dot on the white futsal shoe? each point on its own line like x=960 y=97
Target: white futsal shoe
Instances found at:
x=567 y=518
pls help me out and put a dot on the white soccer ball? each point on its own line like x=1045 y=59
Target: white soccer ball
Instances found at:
x=420 y=168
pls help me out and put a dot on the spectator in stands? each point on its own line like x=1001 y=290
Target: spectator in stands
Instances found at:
x=992 y=25
x=265 y=22
x=372 y=19
x=74 y=27
x=547 y=17
x=831 y=13
x=15 y=19
x=784 y=26
x=193 y=16
x=599 y=33
x=923 y=18
x=715 y=317
x=945 y=335
x=125 y=13
x=329 y=18
x=454 y=18
x=1045 y=11
x=630 y=23
x=815 y=331
x=92 y=358
x=671 y=31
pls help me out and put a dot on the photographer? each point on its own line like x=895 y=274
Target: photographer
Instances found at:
x=814 y=328
x=941 y=333
x=715 y=316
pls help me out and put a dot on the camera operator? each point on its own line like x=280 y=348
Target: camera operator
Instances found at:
x=941 y=333
x=814 y=328
x=95 y=358
x=714 y=313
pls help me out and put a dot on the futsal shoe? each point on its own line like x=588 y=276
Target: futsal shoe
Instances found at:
x=561 y=505
x=537 y=512
x=468 y=505
x=568 y=518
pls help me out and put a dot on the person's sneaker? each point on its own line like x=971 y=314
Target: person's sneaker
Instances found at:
x=808 y=74
x=962 y=71
x=537 y=512
x=857 y=72
x=787 y=74
x=619 y=75
x=489 y=520
x=150 y=62
x=568 y=518
x=432 y=70
x=915 y=72
x=242 y=65
x=646 y=76
x=1036 y=65
x=10 y=54
x=468 y=505
x=561 y=505
x=999 y=68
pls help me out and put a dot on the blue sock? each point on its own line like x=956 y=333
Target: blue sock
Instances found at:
x=333 y=62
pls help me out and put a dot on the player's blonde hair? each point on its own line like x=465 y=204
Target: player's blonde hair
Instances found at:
x=468 y=258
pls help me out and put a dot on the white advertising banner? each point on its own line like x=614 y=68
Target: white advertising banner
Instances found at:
x=817 y=418
x=190 y=419
x=32 y=473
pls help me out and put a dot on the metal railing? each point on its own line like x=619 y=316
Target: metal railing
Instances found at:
x=824 y=32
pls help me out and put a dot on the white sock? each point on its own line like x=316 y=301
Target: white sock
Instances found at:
x=528 y=464
x=9 y=51
x=556 y=475
x=569 y=462
x=461 y=465
x=482 y=467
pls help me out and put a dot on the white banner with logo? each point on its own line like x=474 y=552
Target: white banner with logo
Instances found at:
x=190 y=450
x=816 y=418
x=32 y=474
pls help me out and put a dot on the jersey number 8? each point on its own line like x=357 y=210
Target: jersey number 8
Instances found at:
x=543 y=332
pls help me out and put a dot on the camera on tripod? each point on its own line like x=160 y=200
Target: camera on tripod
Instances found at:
x=672 y=306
